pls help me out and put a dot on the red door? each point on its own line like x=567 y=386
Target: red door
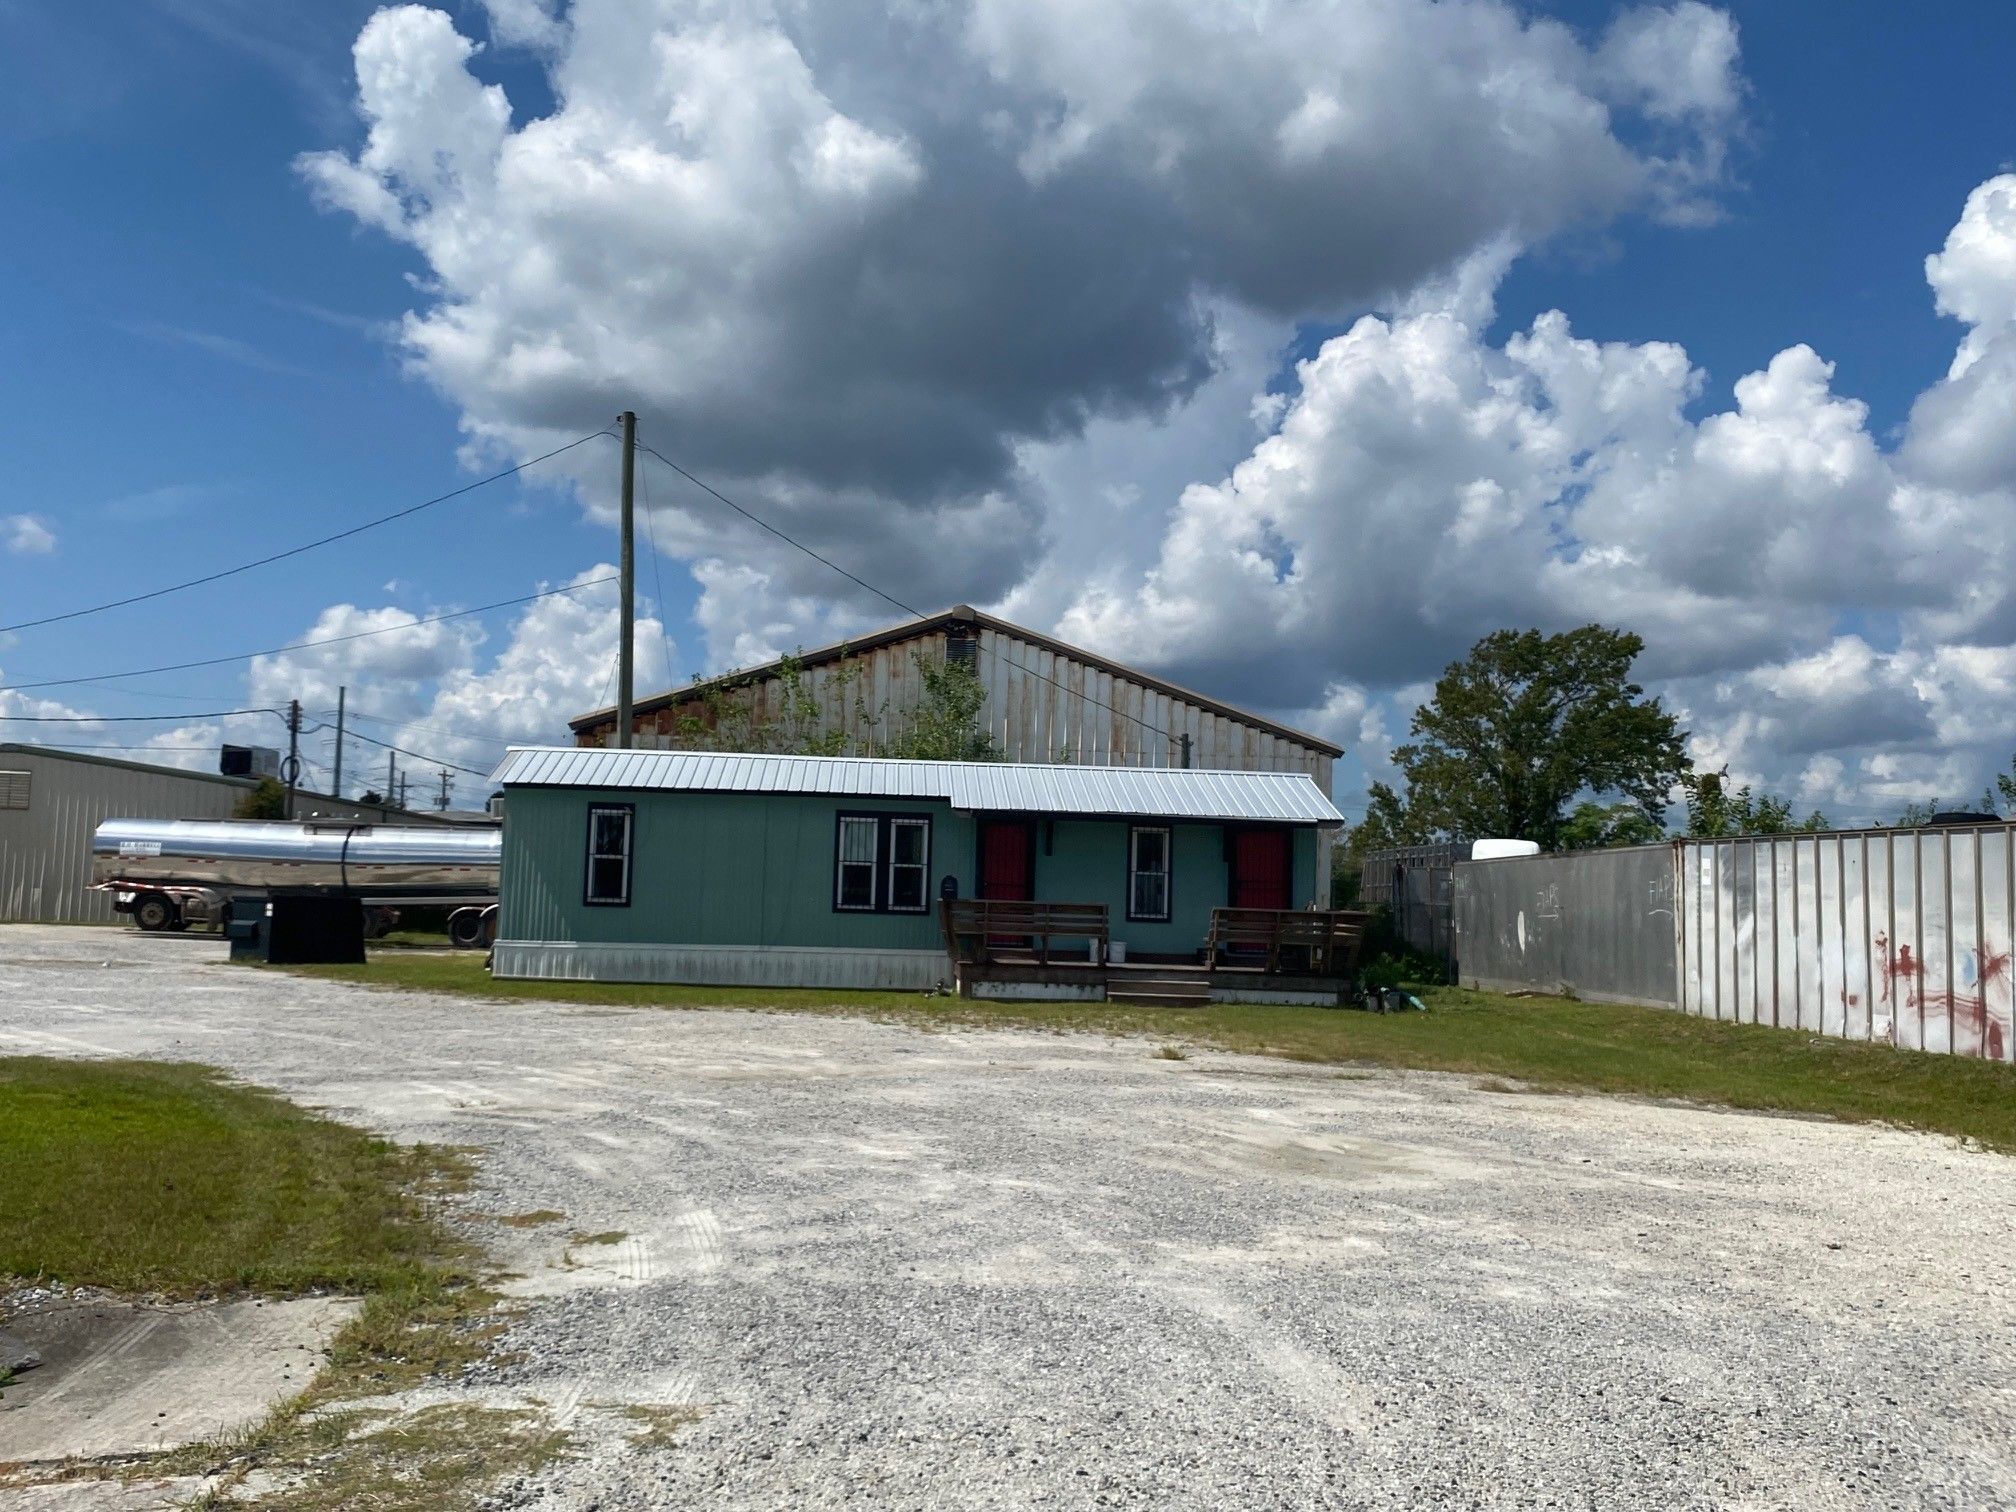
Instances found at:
x=1260 y=868
x=1007 y=868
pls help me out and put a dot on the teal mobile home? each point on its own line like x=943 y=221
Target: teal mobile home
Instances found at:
x=685 y=866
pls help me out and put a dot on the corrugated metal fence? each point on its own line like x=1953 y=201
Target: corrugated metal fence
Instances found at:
x=1901 y=936
x=1898 y=936
x=1415 y=884
x=1597 y=924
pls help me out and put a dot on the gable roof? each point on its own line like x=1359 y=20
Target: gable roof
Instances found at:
x=957 y=617
x=984 y=786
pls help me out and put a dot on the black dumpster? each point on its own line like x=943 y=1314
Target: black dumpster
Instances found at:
x=296 y=931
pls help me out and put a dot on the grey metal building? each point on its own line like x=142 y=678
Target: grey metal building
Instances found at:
x=51 y=800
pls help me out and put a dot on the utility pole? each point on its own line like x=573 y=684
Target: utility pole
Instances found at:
x=391 y=778
x=1186 y=752
x=293 y=769
x=446 y=783
x=337 y=783
x=626 y=587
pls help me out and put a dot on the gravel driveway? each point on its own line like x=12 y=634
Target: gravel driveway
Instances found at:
x=979 y=1269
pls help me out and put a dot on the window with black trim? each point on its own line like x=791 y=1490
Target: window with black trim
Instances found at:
x=882 y=863
x=854 y=880
x=610 y=829
x=909 y=872
x=1148 y=874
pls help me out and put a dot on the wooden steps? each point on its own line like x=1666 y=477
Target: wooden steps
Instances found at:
x=1153 y=987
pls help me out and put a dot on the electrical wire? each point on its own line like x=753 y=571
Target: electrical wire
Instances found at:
x=294 y=551
x=908 y=609
x=433 y=761
x=128 y=718
x=69 y=745
x=327 y=640
x=403 y=724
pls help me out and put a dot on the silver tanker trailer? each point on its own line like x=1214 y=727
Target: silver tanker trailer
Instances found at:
x=172 y=873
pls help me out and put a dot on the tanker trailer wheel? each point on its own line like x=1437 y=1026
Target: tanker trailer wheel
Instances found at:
x=465 y=928
x=155 y=912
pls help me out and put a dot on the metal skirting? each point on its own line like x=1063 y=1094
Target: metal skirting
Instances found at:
x=1090 y=990
x=723 y=965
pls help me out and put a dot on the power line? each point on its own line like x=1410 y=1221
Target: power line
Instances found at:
x=908 y=609
x=416 y=755
x=328 y=640
x=405 y=724
x=71 y=745
x=124 y=718
x=293 y=551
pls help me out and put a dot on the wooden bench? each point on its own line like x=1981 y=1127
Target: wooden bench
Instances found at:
x=1326 y=940
x=987 y=929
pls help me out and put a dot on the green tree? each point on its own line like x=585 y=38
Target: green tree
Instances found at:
x=1714 y=811
x=266 y=801
x=1999 y=797
x=1522 y=726
x=944 y=723
x=780 y=713
x=1600 y=826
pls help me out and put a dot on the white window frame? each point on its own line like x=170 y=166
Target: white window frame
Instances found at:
x=922 y=867
x=841 y=863
x=627 y=854
x=1135 y=872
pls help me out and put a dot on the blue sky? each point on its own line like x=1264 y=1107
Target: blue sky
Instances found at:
x=198 y=362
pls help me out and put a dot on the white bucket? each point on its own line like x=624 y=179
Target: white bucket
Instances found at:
x=1116 y=952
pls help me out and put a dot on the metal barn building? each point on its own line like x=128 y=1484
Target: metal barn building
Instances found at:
x=818 y=871
x=52 y=800
x=1046 y=702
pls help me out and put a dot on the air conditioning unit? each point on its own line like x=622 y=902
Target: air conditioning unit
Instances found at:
x=249 y=761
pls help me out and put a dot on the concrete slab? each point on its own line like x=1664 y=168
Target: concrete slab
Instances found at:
x=128 y=1378
x=168 y=1495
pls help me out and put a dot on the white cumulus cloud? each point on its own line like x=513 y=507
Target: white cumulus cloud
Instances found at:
x=27 y=535
x=862 y=265
x=1806 y=589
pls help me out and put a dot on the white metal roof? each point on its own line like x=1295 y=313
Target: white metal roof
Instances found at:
x=1011 y=787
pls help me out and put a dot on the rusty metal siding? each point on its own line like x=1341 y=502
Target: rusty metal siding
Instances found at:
x=1040 y=706
x=1597 y=924
x=1899 y=936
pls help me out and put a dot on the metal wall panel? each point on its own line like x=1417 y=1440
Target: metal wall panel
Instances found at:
x=45 y=848
x=723 y=966
x=1901 y=936
x=1041 y=706
x=1598 y=924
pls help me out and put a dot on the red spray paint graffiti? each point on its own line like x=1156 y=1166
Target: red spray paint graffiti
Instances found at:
x=1966 y=1014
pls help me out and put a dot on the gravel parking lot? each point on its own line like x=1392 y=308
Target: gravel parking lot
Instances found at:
x=984 y=1269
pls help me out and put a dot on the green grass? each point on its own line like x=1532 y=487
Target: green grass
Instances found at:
x=170 y=1179
x=1544 y=1043
x=148 y=1177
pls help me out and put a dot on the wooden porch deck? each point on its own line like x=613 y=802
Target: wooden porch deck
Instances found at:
x=1057 y=951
